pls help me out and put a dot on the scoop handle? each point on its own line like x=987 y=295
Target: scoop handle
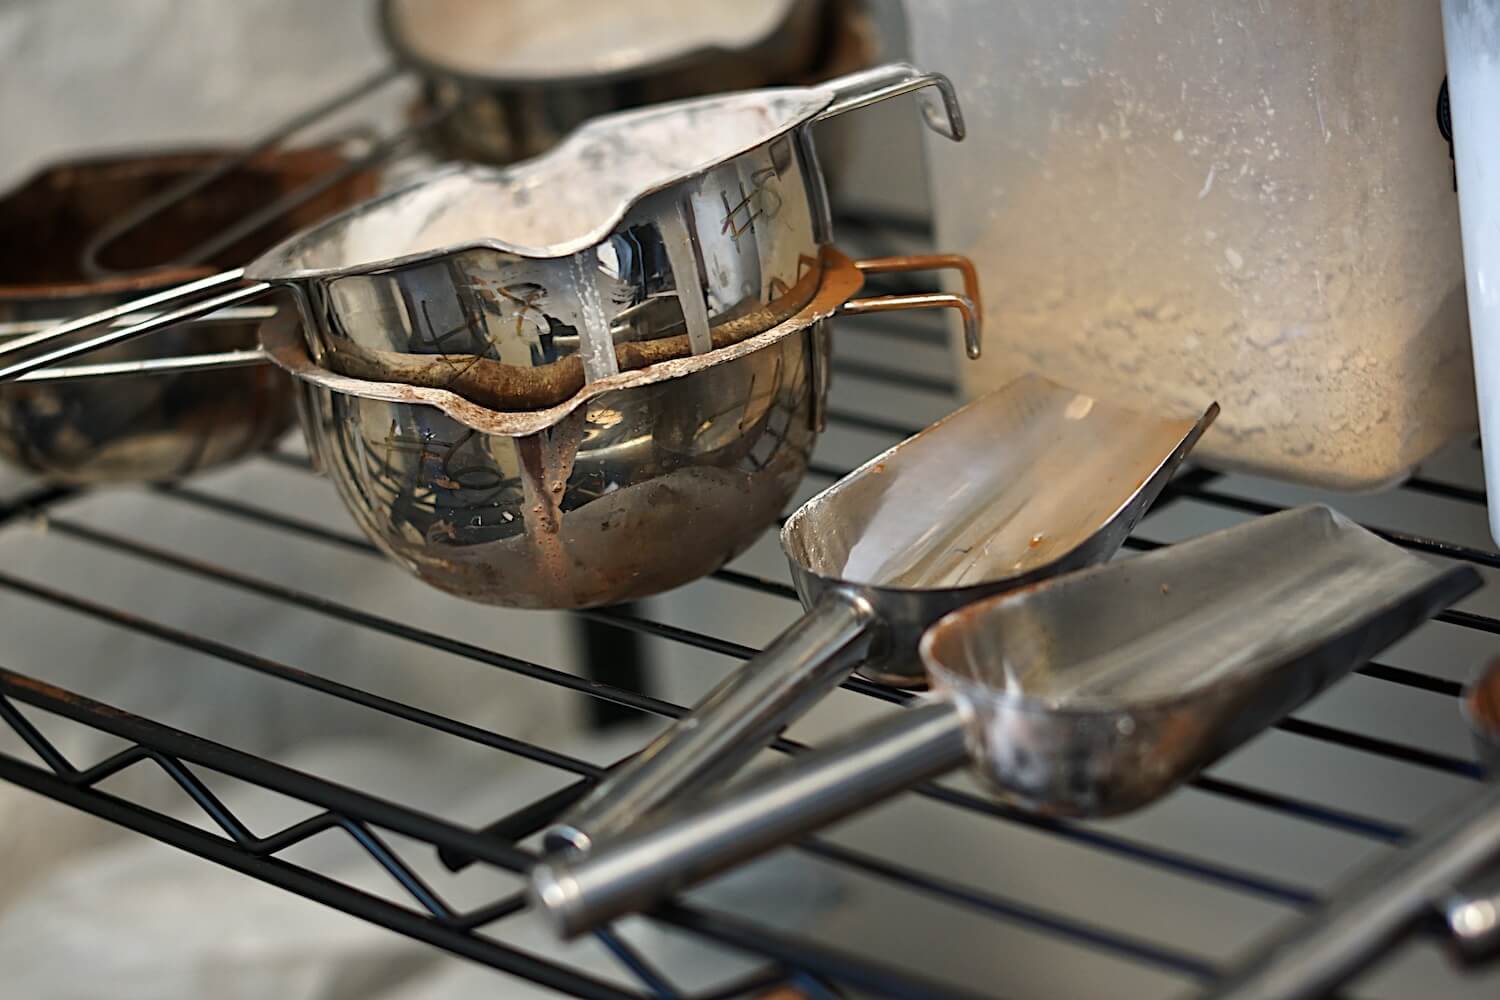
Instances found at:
x=881 y=83
x=734 y=722
x=1382 y=901
x=640 y=868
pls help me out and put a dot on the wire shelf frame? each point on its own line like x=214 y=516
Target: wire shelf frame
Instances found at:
x=239 y=842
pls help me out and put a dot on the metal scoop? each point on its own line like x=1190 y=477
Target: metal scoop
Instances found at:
x=1087 y=695
x=1452 y=872
x=1022 y=484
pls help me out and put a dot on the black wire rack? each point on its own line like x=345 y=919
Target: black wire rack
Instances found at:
x=871 y=363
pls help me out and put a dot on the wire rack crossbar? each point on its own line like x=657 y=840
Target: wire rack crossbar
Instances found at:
x=1291 y=895
x=353 y=811
x=1122 y=944
x=628 y=621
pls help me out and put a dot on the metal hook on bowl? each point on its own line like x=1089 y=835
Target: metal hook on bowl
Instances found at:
x=967 y=304
x=881 y=83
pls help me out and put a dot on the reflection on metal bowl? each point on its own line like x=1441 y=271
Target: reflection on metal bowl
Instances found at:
x=156 y=427
x=635 y=492
x=689 y=217
x=152 y=428
x=635 y=483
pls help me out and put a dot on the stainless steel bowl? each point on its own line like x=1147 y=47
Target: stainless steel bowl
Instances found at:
x=702 y=221
x=162 y=426
x=638 y=491
x=635 y=484
x=696 y=219
x=479 y=60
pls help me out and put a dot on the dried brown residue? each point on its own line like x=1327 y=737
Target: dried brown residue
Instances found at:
x=282 y=340
x=547 y=460
x=511 y=388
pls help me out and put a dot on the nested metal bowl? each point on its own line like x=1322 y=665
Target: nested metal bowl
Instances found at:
x=636 y=483
x=150 y=427
x=518 y=77
x=701 y=222
x=585 y=378
x=636 y=492
x=701 y=219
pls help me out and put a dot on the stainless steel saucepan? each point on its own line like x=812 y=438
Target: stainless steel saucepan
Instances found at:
x=518 y=77
x=1024 y=483
x=504 y=80
x=689 y=219
x=174 y=421
x=636 y=483
x=1090 y=694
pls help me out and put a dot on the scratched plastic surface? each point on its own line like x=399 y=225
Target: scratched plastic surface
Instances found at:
x=1246 y=200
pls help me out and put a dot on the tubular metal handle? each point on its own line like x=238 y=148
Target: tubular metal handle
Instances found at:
x=26 y=327
x=968 y=304
x=734 y=722
x=194 y=292
x=766 y=810
x=246 y=358
x=881 y=83
x=1318 y=954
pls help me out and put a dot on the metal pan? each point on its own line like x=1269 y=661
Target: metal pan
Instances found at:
x=516 y=93
x=1188 y=652
x=683 y=218
x=173 y=423
x=636 y=484
x=488 y=113
x=1022 y=484
x=519 y=77
x=526 y=43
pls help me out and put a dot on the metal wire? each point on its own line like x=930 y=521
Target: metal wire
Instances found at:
x=426 y=915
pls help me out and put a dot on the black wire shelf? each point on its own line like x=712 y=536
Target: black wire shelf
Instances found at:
x=427 y=914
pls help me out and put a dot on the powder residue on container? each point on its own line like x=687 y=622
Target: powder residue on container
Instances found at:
x=1279 y=234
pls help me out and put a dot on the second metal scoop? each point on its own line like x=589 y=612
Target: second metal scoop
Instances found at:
x=1091 y=695
x=1022 y=484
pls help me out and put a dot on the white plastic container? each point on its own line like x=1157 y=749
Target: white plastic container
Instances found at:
x=1175 y=201
x=1472 y=30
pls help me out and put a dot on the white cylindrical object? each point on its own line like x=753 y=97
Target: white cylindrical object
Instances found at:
x=1472 y=34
